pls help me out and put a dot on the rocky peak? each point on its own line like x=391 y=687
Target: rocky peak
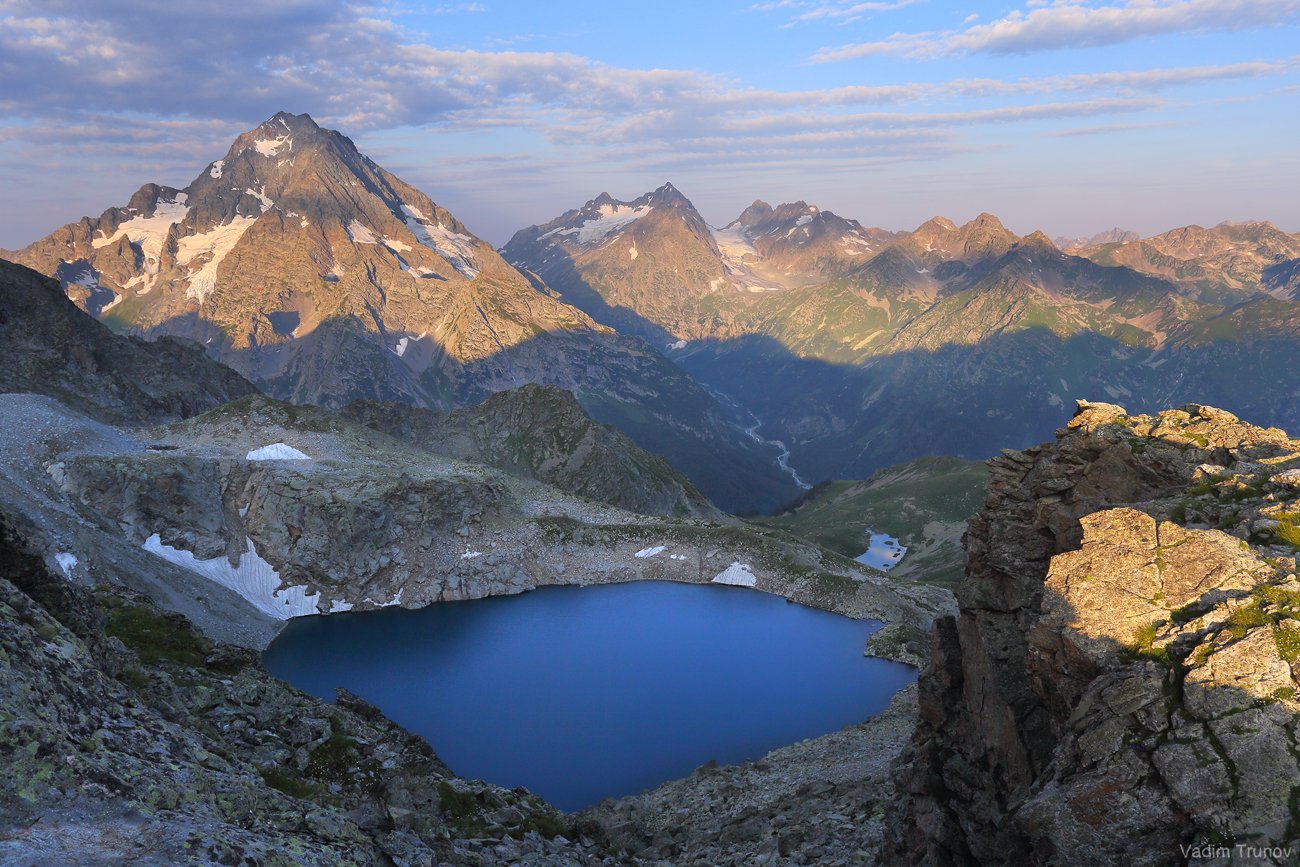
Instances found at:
x=668 y=195
x=1037 y=240
x=754 y=214
x=1122 y=677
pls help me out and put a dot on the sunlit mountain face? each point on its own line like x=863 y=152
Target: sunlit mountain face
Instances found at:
x=858 y=348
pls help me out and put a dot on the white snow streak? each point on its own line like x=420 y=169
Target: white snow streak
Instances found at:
x=612 y=218
x=67 y=562
x=214 y=243
x=456 y=248
x=252 y=578
x=269 y=147
x=360 y=234
x=650 y=552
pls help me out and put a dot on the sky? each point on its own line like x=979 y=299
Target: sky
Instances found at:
x=1060 y=115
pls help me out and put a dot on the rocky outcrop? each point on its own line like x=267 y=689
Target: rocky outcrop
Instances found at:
x=818 y=801
x=1118 y=686
x=126 y=737
x=541 y=432
x=48 y=346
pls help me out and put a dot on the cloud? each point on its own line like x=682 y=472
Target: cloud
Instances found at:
x=1074 y=25
x=152 y=90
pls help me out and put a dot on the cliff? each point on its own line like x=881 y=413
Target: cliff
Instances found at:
x=1120 y=685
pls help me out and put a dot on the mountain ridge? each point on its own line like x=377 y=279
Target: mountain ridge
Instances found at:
x=323 y=278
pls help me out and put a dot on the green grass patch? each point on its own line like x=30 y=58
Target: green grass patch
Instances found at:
x=1288 y=643
x=337 y=760
x=1288 y=528
x=157 y=637
x=1245 y=619
x=290 y=784
x=1142 y=646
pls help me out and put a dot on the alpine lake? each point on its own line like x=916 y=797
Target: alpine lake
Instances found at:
x=584 y=693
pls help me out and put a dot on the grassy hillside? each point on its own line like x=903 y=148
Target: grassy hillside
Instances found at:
x=924 y=502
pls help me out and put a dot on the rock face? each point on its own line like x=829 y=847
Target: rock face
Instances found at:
x=1120 y=681
x=541 y=432
x=48 y=346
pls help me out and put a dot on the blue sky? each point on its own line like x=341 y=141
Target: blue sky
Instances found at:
x=1069 y=117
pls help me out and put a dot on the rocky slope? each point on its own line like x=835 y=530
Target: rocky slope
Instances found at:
x=127 y=737
x=323 y=278
x=819 y=801
x=541 y=432
x=48 y=346
x=1119 y=686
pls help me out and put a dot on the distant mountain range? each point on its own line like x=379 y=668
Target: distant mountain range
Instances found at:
x=859 y=347
x=790 y=346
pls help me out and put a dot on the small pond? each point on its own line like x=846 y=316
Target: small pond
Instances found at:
x=883 y=552
x=585 y=693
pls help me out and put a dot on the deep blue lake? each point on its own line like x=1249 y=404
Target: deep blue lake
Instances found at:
x=581 y=693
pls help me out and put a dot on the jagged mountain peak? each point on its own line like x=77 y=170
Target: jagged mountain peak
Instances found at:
x=668 y=193
x=981 y=238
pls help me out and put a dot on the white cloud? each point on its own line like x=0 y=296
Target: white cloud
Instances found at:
x=125 y=92
x=1075 y=25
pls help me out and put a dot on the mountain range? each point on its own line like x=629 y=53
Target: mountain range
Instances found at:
x=859 y=348
x=790 y=346
x=323 y=278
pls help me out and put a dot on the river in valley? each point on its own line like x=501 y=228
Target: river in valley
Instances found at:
x=582 y=693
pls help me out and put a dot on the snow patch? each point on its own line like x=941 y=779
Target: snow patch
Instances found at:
x=1116 y=391
x=680 y=344
x=217 y=168
x=67 y=562
x=609 y=220
x=737 y=574
x=269 y=147
x=733 y=244
x=277 y=452
x=470 y=555
x=676 y=556
x=360 y=234
x=215 y=244
x=456 y=248
x=649 y=552
x=339 y=605
x=252 y=578
x=261 y=196
x=149 y=232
